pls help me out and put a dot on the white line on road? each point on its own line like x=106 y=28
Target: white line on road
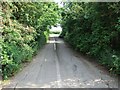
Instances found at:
x=54 y=45
x=59 y=80
x=58 y=74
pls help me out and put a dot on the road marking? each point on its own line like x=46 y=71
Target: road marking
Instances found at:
x=59 y=80
x=54 y=45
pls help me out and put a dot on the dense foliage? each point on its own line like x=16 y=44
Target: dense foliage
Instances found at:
x=25 y=28
x=94 y=29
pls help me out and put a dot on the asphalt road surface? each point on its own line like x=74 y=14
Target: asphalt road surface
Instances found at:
x=58 y=66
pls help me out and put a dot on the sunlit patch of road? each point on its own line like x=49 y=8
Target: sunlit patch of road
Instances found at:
x=58 y=66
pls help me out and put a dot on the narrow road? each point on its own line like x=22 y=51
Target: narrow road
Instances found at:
x=57 y=66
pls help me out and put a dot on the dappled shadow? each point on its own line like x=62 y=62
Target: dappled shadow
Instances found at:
x=55 y=40
x=66 y=82
x=69 y=83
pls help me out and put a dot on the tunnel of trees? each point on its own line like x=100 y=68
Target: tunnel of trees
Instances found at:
x=94 y=30
x=25 y=29
x=91 y=28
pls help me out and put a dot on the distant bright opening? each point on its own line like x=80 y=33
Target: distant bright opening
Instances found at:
x=55 y=31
